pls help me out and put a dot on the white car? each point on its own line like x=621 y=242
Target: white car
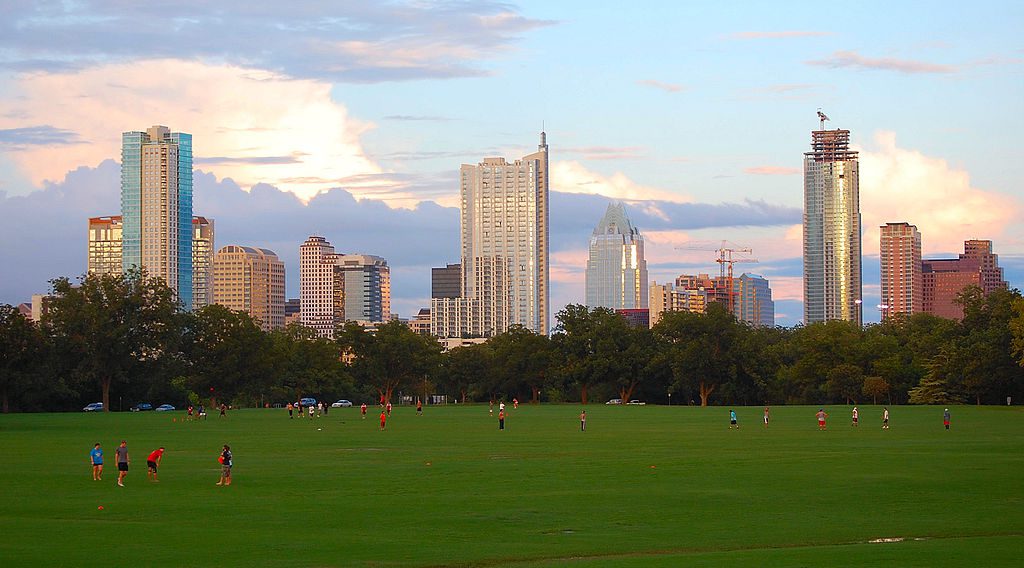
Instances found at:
x=636 y=402
x=614 y=401
x=93 y=407
x=341 y=404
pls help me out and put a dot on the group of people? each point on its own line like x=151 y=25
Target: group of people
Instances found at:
x=822 y=417
x=315 y=411
x=152 y=463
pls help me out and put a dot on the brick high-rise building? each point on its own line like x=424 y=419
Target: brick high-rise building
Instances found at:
x=944 y=279
x=902 y=276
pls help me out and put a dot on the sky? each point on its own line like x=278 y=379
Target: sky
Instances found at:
x=349 y=119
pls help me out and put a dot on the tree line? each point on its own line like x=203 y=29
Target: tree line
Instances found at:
x=125 y=339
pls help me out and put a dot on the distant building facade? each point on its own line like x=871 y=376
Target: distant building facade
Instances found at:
x=616 y=274
x=753 y=300
x=944 y=279
x=105 y=245
x=901 y=268
x=832 y=229
x=670 y=298
x=446 y=282
x=335 y=288
x=292 y=311
x=251 y=280
x=636 y=317
x=156 y=206
x=202 y=262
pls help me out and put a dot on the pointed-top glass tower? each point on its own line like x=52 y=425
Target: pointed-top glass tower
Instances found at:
x=616 y=268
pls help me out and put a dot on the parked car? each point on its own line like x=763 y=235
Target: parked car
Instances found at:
x=164 y=408
x=341 y=404
x=614 y=401
x=636 y=402
x=141 y=407
x=93 y=407
x=307 y=401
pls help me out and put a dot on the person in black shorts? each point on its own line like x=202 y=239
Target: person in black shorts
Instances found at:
x=122 y=462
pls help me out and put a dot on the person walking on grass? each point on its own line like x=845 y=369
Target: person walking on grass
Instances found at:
x=945 y=418
x=501 y=420
x=291 y=409
x=732 y=420
x=854 y=416
x=583 y=421
x=822 y=415
x=383 y=419
x=885 y=418
x=419 y=407
x=223 y=410
x=362 y=410
x=767 y=416
x=121 y=454
x=153 y=462
x=226 y=461
x=96 y=457
x=388 y=407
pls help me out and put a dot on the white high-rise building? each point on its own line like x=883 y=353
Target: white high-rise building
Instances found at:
x=335 y=288
x=832 y=229
x=616 y=268
x=505 y=279
x=202 y=261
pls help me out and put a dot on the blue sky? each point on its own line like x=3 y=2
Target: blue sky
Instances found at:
x=659 y=104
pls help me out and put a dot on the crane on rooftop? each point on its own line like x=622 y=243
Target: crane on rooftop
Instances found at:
x=725 y=262
x=822 y=117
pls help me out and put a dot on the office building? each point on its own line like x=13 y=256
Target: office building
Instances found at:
x=505 y=278
x=902 y=278
x=752 y=300
x=105 y=245
x=292 y=311
x=202 y=262
x=156 y=206
x=616 y=274
x=673 y=298
x=945 y=278
x=831 y=229
x=446 y=282
x=251 y=280
x=335 y=288
x=366 y=286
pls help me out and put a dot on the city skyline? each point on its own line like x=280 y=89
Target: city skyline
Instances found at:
x=929 y=100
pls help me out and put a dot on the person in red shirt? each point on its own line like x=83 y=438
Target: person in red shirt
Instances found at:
x=362 y=410
x=153 y=462
x=388 y=407
x=501 y=420
x=383 y=419
x=419 y=407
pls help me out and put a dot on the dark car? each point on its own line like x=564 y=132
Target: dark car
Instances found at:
x=142 y=407
x=307 y=401
x=93 y=407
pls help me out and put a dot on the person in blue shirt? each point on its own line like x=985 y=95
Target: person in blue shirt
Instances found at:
x=732 y=420
x=96 y=457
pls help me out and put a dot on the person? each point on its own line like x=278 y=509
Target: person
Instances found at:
x=501 y=406
x=362 y=410
x=945 y=418
x=767 y=416
x=190 y=411
x=501 y=419
x=388 y=407
x=885 y=418
x=319 y=409
x=327 y=407
x=202 y=412
x=291 y=409
x=223 y=410
x=515 y=403
x=122 y=462
x=822 y=415
x=419 y=407
x=153 y=462
x=732 y=420
x=383 y=419
x=583 y=421
x=311 y=410
x=490 y=411
x=96 y=457
x=226 y=462
x=298 y=407
x=854 y=416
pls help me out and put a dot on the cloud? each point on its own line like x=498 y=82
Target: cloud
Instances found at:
x=572 y=177
x=898 y=184
x=771 y=171
x=852 y=59
x=44 y=135
x=777 y=35
x=339 y=41
x=606 y=152
x=406 y=117
x=667 y=87
x=281 y=129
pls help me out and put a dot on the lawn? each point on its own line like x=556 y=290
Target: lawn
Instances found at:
x=644 y=486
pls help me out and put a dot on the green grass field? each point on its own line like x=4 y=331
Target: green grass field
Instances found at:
x=644 y=486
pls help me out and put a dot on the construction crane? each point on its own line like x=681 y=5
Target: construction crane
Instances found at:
x=725 y=262
x=822 y=118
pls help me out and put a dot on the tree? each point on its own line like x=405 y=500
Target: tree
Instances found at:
x=304 y=363
x=875 y=387
x=390 y=357
x=20 y=347
x=590 y=344
x=521 y=360
x=465 y=368
x=228 y=354
x=112 y=328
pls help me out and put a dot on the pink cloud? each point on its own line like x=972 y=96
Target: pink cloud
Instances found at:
x=852 y=59
x=771 y=171
x=606 y=152
x=667 y=87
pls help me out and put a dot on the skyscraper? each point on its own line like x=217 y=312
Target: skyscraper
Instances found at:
x=250 y=279
x=616 y=269
x=446 y=282
x=335 y=288
x=944 y=278
x=504 y=245
x=105 y=245
x=832 y=230
x=753 y=300
x=902 y=279
x=202 y=262
x=156 y=206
